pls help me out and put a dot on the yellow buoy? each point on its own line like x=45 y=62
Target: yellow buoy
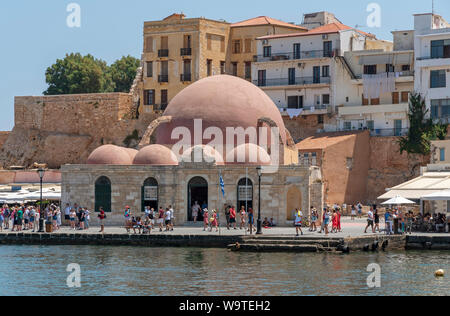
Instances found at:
x=439 y=273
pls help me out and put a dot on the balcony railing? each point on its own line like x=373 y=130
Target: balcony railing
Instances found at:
x=185 y=77
x=291 y=82
x=186 y=52
x=295 y=56
x=377 y=132
x=163 y=53
x=163 y=78
x=432 y=57
x=408 y=73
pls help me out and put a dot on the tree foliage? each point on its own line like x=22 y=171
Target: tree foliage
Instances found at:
x=77 y=74
x=123 y=72
x=422 y=129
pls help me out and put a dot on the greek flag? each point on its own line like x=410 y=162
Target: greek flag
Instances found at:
x=222 y=185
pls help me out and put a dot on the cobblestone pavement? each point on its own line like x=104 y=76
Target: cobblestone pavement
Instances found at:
x=349 y=229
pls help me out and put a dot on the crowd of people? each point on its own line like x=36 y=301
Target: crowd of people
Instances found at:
x=163 y=219
x=26 y=217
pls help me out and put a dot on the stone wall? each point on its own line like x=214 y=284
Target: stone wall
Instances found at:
x=389 y=168
x=3 y=137
x=65 y=129
x=305 y=126
x=78 y=186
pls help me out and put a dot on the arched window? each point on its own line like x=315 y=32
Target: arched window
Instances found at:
x=197 y=192
x=244 y=194
x=150 y=194
x=103 y=194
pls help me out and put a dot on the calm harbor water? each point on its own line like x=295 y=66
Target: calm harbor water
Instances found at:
x=41 y=270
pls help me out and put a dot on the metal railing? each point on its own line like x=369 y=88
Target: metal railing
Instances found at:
x=185 y=77
x=432 y=57
x=297 y=55
x=291 y=82
x=163 y=78
x=163 y=53
x=408 y=73
x=186 y=52
x=386 y=132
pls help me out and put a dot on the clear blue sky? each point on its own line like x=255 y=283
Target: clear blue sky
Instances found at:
x=34 y=33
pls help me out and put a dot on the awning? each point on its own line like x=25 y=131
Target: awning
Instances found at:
x=407 y=194
x=398 y=200
x=438 y=196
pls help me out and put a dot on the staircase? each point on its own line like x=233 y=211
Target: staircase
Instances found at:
x=288 y=244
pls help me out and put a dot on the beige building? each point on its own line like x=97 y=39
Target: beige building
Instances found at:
x=180 y=50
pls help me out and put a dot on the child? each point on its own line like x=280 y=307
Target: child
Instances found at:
x=298 y=222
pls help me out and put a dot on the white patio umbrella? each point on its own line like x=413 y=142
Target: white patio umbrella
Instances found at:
x=398 y=200
x=437 y=196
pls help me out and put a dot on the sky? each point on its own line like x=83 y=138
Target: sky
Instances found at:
x=35 y=33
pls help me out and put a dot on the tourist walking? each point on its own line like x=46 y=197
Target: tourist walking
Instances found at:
x=360 y=207
x=242 y=215
x=233 y=217
x=388 y=222
x=214 y=221
x=314 y=218
x=195 y=211
x=102 y=217
x=161 y=219
x=376 y=220
x=205 y=214
x=370 y=221
x=227 y=214
x=298 y=222
x=334 y=225
x=353 y=213
x=326 y=220
x=172 y=217
x=339 y=219
x=250 y=220
x=127 y=216
x=409 y=222
x=73 y=218
x=167 y=218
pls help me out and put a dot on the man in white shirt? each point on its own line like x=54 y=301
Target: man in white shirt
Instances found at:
x=67 y=212
x=172 y=217
x=370 y=220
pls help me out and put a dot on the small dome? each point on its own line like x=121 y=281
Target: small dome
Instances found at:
x=250 y=154
x=131 y=152
x=110 y=155
x=202 y=153
x=156 y=155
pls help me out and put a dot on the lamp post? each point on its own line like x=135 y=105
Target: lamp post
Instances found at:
x=41 y=172
x=259 y=223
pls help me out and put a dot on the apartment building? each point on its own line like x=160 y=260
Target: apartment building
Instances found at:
x=377 y=94
x=432 y=66
x=301 y=72
x=177 y=52
x=180 y=50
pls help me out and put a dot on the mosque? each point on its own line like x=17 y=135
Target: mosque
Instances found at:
x=220 y=126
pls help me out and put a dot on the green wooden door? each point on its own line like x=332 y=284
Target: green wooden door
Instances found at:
x=103 y=194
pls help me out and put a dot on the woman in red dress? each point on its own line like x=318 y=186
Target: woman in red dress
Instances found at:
x=335 y=222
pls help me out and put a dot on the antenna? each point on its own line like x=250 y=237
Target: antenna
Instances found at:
x=432 y=6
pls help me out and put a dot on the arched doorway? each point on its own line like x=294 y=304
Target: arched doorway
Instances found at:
x=197 y=192
x=244 y=194
x=103 y=194
x=150 y=194
x=293 y=201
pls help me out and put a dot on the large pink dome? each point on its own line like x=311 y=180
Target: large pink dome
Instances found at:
x=249 y=154
x=219 y=101
x=156 y=155
x=110 y=155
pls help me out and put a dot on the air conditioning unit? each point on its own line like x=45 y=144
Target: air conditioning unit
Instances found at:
x=325 y=36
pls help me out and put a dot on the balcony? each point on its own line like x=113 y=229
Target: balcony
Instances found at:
x=299 y=81
x=386 y=132
x=308 y=110
x=409 y=73
x=373 y=109
x=186 y=52
x=163 y=53
x=297 y=56
x=186 y=77
x=163 y=78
